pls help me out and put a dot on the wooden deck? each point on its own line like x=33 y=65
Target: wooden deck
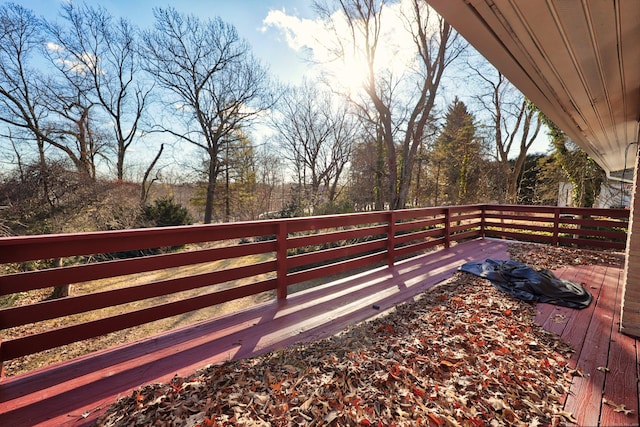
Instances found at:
x=75 y=393
x=606 y=359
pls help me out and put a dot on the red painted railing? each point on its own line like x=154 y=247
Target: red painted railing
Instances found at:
x=290 y=251
x=564 y=226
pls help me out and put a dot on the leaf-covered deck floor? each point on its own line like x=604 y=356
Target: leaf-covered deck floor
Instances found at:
x=462 y=354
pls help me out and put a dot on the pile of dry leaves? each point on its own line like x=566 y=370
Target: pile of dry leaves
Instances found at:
x=464 y=354
x=539 y=256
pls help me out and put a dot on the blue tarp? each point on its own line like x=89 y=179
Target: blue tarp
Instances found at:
x=525 y=283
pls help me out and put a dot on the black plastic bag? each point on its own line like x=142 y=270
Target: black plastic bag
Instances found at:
x=525 y=283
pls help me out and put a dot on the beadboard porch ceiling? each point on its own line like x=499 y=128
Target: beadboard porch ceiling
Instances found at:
x=577 y=60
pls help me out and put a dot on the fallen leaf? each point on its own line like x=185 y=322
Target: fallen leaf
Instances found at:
x=575 y=373
x=331 y=417
x=447 y=363
x=462 y=350
x=435 y=419
x=618 y=408
x=623 y=409
x=568 y=416
x=497 y=404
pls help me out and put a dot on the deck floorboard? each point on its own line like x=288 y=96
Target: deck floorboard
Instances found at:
x=622 y=376
x=585 y=396
x=607 y=392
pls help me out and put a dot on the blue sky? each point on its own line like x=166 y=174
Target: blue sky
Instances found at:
x=279 y=31
x=268 y=42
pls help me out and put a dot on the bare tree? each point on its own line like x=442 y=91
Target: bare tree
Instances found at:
x=23 y=106
x=316 y=134
x=20 y=105
x=515 y=124
x=71 y=127
x=214 y=83
x=269 y=179
x=401 y=123
x=53 y=110
x=104 y=52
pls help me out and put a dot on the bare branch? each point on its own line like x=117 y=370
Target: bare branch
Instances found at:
x=213 y=81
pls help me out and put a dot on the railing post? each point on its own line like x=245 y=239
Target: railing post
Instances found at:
x=391 y=234
x=447 y=227
x=556 y=225
x=1 y=362
x=281 y=259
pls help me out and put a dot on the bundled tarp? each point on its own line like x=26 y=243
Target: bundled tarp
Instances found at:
x=525 y=283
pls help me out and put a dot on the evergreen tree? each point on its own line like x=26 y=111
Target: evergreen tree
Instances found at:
x=236 y=199
x=456 y=158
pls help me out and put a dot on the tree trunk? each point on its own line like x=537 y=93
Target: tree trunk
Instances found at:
x=211 y=188
x=146 y=185
x=379 y=173
x=60 y=291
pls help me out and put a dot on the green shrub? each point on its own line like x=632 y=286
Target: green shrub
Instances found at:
x=165 y=213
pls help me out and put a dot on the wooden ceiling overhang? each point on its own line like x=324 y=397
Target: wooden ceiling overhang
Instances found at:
x=577 y=60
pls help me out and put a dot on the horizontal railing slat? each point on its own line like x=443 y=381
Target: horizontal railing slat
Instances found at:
x=470 y=234
x=464 y=227
x=426 y=234
x=335 y=268
x=73 y=244
x=15 y=316
x=405 y=214
x=295 y=225
x=31 y=280
x=591 y=243
x=603 y=223
x=334 y=253
x=614 y=235
x=520 y=226
x=319 y=239
x=413 y=225
x=417 y=247
x=54 y=338
x=524 y=218
x=525 y=237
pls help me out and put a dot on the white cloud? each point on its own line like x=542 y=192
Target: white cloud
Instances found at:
x=86 y=62
x=321 y=39
x=54 y=47
x=299 y=33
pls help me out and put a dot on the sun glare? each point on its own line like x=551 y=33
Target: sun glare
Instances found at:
x=321 y=39
x=350 y=73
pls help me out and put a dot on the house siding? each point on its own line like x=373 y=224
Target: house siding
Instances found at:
x=630 y=311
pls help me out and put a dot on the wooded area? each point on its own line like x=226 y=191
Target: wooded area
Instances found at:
x=108 y=126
